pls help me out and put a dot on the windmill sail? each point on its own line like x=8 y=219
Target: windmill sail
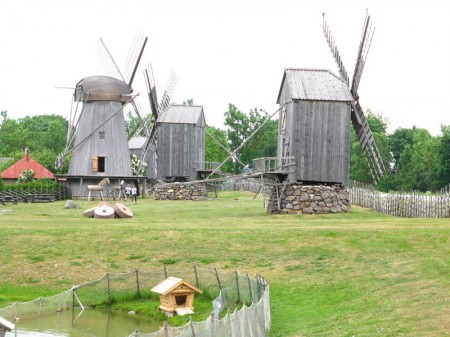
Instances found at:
x=359 y=120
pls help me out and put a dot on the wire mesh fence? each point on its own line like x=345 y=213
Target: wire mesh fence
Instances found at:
x=229 y=290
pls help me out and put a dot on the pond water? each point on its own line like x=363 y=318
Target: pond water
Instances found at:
x=89 y=323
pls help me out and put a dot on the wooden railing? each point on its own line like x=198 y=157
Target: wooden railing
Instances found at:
x=274 y=164
x=206 y=165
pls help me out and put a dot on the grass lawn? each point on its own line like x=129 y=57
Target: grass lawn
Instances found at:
x=355 y=274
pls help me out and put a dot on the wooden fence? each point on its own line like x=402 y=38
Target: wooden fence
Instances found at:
x=403 y=204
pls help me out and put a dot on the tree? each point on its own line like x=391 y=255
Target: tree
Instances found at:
x=213 y=151
x=444 y=154
x=242 y=126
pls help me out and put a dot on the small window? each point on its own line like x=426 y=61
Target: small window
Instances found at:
x=98 y=164
x=101 y=134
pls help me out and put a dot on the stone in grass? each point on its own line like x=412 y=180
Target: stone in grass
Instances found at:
x=71 y=205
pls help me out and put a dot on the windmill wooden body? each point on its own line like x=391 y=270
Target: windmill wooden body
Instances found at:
x=97 y=138
x=317 y=108
x=314 y=126
x=180 y=143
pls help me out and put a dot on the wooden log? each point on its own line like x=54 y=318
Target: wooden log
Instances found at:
x=104 y=212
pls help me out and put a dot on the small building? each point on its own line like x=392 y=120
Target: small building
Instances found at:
x=5 y=326
x=11 y=174
x=315 y=126
x=181 y=143
x=176 y=296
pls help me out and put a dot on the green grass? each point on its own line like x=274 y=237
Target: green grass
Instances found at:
x=355 y=274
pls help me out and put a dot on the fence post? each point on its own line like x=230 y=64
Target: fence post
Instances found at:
x=196 y=276
x=109 y=289
x=137 y=283
x=250 y=287
x=213 y=332
x=218 y=280
x=237 y=287
x=192 y=327
x=165 y=271
x=166 y=329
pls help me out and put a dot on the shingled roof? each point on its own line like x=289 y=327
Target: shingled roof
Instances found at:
x=183 y=114
x=315 y=85
x=26 y=163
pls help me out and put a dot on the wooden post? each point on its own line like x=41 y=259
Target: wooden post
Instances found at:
x=109 y=288
x=196 y=277
x=165 y=271
x=218 y=280
x=237 y=287
x=137 y=283
x=192 y=327
x=166 y=329
x=213 y=330
x=250 y=287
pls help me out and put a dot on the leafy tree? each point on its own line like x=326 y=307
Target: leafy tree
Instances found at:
x=242 y=126
x=213 y=151
x=444 y=154
x=397 y=142
x=37 y=132
x=189 y=101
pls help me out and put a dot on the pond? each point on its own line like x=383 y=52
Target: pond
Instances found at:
x=90 y=322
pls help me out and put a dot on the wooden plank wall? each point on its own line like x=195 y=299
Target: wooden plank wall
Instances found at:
x=179 y=147
x=320 y=141
x=114 y=147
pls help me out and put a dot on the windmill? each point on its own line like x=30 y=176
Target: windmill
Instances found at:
x=316 y=107
x=359 y=120
x=97 y=138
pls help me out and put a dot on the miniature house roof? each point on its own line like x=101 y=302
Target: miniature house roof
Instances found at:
x=183 y=114
x=6 y=324
x=315 y=85
x=171 y=283
x=26 y=163
x=102 y=88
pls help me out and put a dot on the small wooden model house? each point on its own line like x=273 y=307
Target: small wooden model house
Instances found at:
x=5 y=326
x=176 y=296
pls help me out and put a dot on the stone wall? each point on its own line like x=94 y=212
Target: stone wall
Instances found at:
x=180 y=191
x=307 y=199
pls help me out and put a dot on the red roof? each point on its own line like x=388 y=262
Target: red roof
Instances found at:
x=26 y=163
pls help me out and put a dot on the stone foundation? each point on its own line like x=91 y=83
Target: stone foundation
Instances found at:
x=180 y=191
x=307 y=199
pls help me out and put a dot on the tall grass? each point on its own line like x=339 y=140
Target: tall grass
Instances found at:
x=355 y=274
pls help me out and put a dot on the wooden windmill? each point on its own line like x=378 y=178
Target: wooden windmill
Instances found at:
x=316 y=107
x=97 y=138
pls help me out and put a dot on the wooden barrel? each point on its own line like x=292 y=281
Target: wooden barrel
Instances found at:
x=104 y=212
x=89 y=212
x=122 y=211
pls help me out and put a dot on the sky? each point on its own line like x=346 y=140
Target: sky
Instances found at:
x=223 y=52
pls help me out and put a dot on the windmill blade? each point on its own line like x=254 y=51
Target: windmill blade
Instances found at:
x=151 y=91
x=112 y=63
x=334 y=50
x=165 y=101
x=364 y=46
x=367 y=142
x=137 y=59
x=133 y=54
